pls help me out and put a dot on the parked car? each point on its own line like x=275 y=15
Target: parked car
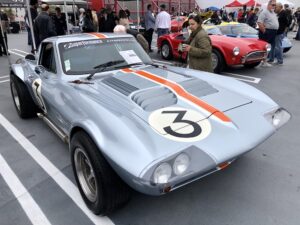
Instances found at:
x=129 y=122
x=227 y=51
x=243 y=30
x=176 y=23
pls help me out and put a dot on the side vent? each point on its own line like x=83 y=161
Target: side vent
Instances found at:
x=198 y=88
x=121 y=86
x=155 y=98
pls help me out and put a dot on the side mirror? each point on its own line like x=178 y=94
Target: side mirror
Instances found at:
x=30 y=57
x=39 y=69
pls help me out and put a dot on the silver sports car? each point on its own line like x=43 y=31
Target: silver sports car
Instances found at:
x=131 y=123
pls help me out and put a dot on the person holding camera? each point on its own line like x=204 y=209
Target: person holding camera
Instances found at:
x=198 y=46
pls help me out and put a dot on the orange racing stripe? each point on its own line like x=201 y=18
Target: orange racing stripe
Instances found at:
x=181 y=92
x=98 y=35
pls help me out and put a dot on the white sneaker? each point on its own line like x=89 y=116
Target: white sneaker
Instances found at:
x=265 y=64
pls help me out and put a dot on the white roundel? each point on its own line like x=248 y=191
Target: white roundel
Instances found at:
x=180 y=124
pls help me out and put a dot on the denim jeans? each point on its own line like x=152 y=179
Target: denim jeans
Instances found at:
x=162 y=31
x=276 y=50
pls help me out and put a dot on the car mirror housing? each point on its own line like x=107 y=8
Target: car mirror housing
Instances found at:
x=30 y=57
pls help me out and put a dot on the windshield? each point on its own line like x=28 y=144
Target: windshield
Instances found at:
x=213 y=30
x=81 y=57
x=238 y=29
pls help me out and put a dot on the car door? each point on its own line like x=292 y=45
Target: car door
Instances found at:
x=45 y=87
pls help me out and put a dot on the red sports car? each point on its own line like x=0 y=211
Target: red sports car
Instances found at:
x=176 y=23
x=227 y=51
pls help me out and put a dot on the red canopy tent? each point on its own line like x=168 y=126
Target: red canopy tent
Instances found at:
x=235 y=3
x=252 y=3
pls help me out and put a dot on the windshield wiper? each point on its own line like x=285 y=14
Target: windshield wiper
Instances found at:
x=103 y=67
x=136 y=64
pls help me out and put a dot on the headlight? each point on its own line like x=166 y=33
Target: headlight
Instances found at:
x=162 y=173
x=268 y=47
x=181 y=164
x=279 y=117
x=236 y=51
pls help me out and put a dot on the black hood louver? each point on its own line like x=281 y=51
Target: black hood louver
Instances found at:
x=121 y=86
x=198 y=88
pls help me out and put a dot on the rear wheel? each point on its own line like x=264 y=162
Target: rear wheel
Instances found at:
x=25 y=106
x=251 y=65
x=166 y=50
x=100 y=187
x=218 y=62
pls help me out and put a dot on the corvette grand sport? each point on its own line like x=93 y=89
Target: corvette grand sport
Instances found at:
x=130 y=123
x=227 y=51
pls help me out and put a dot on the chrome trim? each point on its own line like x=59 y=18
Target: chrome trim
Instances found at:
x=252 y=54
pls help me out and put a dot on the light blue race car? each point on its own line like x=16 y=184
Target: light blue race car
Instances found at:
x=131 y=123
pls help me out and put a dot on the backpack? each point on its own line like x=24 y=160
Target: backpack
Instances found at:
x=88 y=25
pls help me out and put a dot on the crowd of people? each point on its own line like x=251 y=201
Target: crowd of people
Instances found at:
x=3 y=34
x=273 y=24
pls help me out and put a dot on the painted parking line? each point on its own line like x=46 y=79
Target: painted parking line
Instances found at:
x=21 y=51
x=3 y=81
x=66 y=185
x=162 y=62
x=15 y=53
x=243 y=77
x=30 y=207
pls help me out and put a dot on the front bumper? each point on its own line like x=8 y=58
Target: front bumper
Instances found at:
x=253 y=57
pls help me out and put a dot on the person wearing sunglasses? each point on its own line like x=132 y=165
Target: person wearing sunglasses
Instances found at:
x=268 y=25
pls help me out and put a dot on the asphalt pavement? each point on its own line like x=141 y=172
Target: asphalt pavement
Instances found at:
x=37 y=185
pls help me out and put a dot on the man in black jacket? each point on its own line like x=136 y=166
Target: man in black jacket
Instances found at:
x=43 y=25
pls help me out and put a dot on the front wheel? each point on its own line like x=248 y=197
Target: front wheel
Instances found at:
x=100 y=187
x=251 y=65
x=217 y=61
x=166 y=50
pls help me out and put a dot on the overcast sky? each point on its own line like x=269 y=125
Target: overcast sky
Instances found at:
x=221 y=3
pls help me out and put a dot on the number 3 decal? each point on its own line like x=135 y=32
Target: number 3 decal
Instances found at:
x=180 y=124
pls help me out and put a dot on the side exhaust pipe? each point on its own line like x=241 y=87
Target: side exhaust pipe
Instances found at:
x=60 y=133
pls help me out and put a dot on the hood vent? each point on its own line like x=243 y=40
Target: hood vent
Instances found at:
x=198 y=88
x=154 y=98
x=121 y=86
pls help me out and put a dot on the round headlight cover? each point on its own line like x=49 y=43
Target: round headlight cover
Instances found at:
x=162 y=173
x=236 y=51
x=280 y=117
x=181 y=164
x=268 y=47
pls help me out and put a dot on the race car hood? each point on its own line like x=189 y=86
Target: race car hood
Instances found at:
x=150 y=89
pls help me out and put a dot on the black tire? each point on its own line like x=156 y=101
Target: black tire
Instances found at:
x=286 y=50
x=104 y=191
x=218 y=60
x=25 y=106
x=251 y=65
x=166 y=50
